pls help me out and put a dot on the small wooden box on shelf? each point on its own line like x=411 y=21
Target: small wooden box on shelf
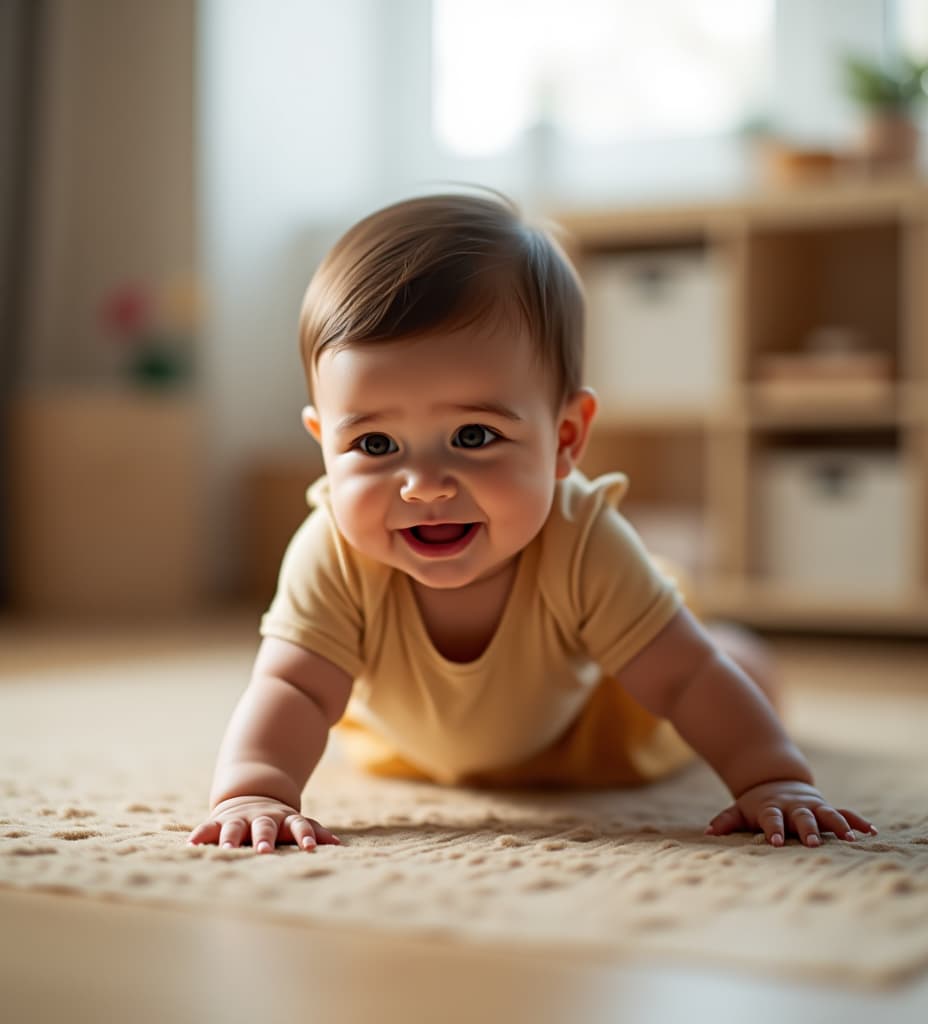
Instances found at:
x=816 y=327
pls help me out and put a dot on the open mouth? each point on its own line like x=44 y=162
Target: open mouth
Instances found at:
x=440 y=533
x=439 y=538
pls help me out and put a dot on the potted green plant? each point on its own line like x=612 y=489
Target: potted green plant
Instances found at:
x=889 y=96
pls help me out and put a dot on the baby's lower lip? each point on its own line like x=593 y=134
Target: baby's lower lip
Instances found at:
x=440 y=550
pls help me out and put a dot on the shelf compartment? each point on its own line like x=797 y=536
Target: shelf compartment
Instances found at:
x=658 y=333
x=666 y=501
x=836 y=520
x=845 y=278
x=848 y=407
x=666 y=467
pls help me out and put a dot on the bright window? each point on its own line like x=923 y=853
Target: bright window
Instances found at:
x=603 y=71
x=912 y=18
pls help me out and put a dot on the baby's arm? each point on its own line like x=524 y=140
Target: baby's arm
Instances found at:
x=681 y=675
x=274 y=740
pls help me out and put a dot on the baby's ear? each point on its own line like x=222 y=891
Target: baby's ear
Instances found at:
x=574 y=429
x=311 y=422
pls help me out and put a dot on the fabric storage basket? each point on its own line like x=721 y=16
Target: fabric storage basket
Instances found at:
x=838 y=521
x=657 y=329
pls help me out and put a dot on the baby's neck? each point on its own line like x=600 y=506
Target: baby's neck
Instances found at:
x=462 y=621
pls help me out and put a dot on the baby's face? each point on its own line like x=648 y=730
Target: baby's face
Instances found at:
x=441 y=452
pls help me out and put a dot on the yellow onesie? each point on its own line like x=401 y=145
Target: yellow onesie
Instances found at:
x=540 y=704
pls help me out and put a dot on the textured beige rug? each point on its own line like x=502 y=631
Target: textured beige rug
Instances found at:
x=104 y=768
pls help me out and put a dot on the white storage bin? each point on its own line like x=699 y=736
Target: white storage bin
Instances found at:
x=657 y=330
x=839 y=522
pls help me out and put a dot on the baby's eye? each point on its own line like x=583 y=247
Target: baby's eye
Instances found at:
x=473 y=435
x=377 y=444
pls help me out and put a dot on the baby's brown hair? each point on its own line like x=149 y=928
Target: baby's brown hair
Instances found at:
x=447 y=262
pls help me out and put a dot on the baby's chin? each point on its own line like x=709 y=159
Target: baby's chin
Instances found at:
x=451 y=577
x=444 y=580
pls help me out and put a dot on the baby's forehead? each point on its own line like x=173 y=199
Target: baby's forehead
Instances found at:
x=450 y=370
x=481 y=356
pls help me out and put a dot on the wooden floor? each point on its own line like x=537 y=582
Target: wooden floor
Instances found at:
x=75 y=960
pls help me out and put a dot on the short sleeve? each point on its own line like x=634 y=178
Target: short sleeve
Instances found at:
x=624 y=600
x=318 y=603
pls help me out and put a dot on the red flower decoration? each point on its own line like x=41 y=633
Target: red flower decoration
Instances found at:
x=127 y=310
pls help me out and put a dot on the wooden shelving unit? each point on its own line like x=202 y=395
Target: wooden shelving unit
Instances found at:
x=848 y=256
x=106 y=517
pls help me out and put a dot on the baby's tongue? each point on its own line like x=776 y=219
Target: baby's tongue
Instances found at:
x=442 y=533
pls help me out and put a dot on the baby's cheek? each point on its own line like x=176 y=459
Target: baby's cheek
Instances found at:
x=356 y=507
x=522 y=496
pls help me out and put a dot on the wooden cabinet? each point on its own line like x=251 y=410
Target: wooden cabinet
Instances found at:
x=107 y=495
x=820 y=333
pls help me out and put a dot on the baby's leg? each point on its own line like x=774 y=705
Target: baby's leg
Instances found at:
x=749 y=652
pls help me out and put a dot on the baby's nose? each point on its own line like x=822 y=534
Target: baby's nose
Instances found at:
x=427 y=485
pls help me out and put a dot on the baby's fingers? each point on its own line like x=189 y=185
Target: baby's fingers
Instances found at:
x=233 y=832
x=842 y=821
x=307 y=832
x=770 y=820
x=208 y=832
x=730 y=820
x=324 y=836
x=264 y=833
x=831 y=820
x=857 y=822
x=301 y=831
x=805 y=825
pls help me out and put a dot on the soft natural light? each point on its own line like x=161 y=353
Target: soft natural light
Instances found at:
x=601 y=70
x=912 y=16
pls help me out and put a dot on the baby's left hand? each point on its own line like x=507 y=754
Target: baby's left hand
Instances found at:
x=779 y=808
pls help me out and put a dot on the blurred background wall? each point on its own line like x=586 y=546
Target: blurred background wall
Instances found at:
x=177 y=170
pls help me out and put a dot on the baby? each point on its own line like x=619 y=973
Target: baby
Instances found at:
x=463 y=602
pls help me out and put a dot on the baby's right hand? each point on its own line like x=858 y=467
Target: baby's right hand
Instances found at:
x=262 y=820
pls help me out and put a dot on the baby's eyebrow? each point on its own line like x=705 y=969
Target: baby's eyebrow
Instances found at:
x=358 y=418
x=494 y=408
